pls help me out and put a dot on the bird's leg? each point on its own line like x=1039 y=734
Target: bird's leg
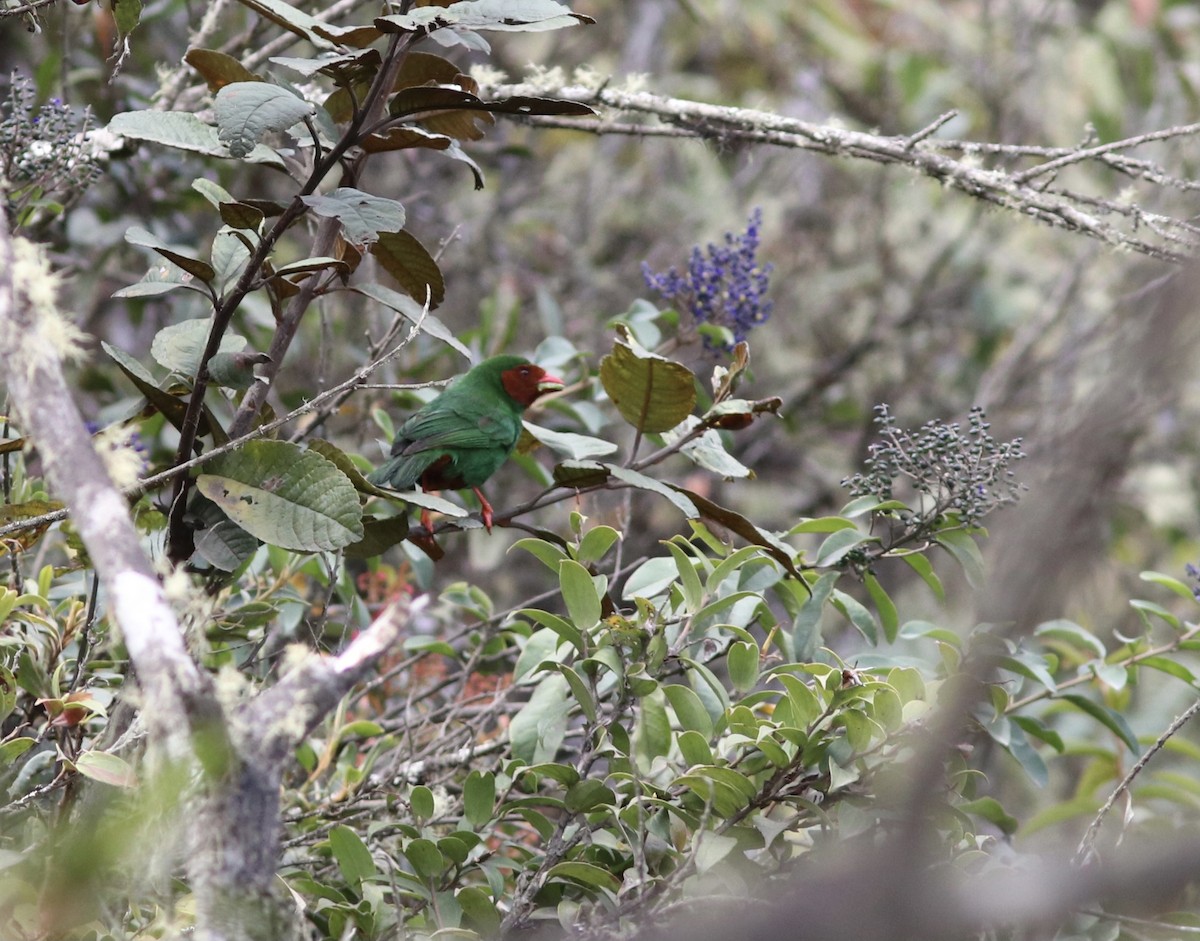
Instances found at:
x=426 y=520
x=485 y=510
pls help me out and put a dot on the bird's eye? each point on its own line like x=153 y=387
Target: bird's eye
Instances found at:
x=524 y=370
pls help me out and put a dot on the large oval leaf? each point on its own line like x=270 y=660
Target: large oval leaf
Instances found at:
x=180 y=346
x=246 y=111
x=285 y=496
x=402 y=256
x=651 y=392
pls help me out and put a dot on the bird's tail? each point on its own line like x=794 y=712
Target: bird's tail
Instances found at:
x=396 y=473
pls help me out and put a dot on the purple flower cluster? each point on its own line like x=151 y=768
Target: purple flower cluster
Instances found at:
x=724 y=285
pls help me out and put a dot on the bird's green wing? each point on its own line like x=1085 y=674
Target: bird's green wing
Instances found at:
x=453 y=426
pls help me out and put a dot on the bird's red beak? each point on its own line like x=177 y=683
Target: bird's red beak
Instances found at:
x=549 y=383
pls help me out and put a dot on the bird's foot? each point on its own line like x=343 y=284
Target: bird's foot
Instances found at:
x=485 y=510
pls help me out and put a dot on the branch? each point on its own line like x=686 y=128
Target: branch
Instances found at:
x=1086 y=852
x=1012 y=190
x=177 y=696
x=279 y=717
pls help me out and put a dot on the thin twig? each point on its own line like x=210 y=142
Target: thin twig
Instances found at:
x=1087 y=845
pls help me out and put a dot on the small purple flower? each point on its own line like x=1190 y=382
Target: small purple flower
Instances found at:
x=724 y=285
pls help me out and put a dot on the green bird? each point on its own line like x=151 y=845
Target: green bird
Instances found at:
x=462 y=437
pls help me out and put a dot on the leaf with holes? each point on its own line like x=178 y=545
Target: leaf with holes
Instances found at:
x=285 y=496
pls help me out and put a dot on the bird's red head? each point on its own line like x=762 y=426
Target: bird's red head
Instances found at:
x=524 y=383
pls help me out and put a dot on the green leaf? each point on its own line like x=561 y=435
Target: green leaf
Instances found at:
x=13 y=749
x=222 y=543
x=403 y=257
x=707 y=450
x=823 y=524
x=579 y=688
x=806 y=628
x=1170 y=667
x=711 y=848
x=588 y=793
x=1071 y=634
x=963 y=547
x=1029 y=665
x=580 y=594
x=172 y=408
x=1172 y=584
x=583 y=873
x=351 y=854
x=106 y=768
x=579 y=475
x=235 y=370
x=500 y=15
x=642 y=482
x=1040 y=731
x=652 y=729
x=1027 y=756
x=427 y=860
x=127 y=14
x=160 y=280
x=8 y=682
x=135 y=235
x=480 y=911
x=379 y=535
x=185 y=132
x=857 y=613
x=561 y=774
x=241 y=216
x=424 y=644
x=694 y=748
x=989 y=809
x=247 y=111
x=422 y=803
x=560 y=626
x=545 y=552
x=651 y=392
x=180 y=346
x=596 y=542
x=889 y=618
x=537 y=730
x=742 y=662
x=840 y=544
x=923 y=567
x=688 y=709
x=292 y=19
x=362 y=215
x=650 y=579
x=284 y=496
x=479 y=797
x=693 y=589
x=1113 y=721
x=570 y=445
x=218 y=69
x=870 y=504
x=230 y=255
x=1148 y=609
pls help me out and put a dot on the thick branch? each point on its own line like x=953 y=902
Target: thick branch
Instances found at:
x=955 y=164
x=177 y=697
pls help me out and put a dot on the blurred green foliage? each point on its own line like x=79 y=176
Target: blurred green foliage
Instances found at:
x=693 y=669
